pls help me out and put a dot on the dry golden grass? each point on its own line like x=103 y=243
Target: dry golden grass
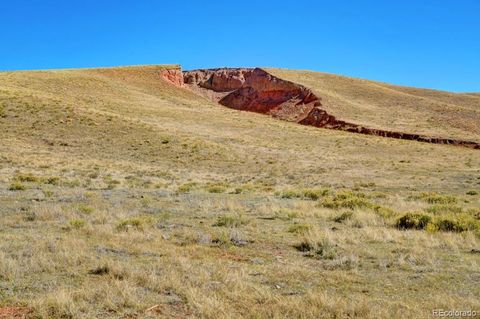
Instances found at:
x=122 y=196
x=392 y=107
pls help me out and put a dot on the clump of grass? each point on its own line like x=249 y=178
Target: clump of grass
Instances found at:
x=413 y=221
x=27 y=178
x=17 y=186
x=52 y=180
x=323 y=248
x=448 y=223
x=472 y=192
x=129 y=223
x=435 y=198
x=299 y=228
x=230 y=221
x=216 y=189
x=3 y=113
x=311 y=194
x=343 y=216
x=85 y=209
x=444 y=209
x=347 y=199
x=76 y=223
x=385 y=212
x=286 y=214
x=30 y=178
x=186 y=188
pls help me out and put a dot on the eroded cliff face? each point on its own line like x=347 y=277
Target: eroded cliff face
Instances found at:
x=174 y=76
x=256 y=90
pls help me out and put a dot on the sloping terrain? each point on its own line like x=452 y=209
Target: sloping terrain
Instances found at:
x=258 y=91
x=125 y=194
x=390 y=107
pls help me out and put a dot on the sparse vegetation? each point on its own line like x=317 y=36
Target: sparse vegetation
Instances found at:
x=413 y=221
x=17 y=186
x=108 y=220
x=299 y=228
x=230 y=221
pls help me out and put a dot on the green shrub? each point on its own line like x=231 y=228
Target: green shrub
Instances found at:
x=450 y=224
x=186 y=188
x=472 y=192
x=17 y=186
x=134 y=222
x=311 y=194
x=434 y=198
x=286 y=214
x=27 y=178
x=51 y=180
x=343 y=216
x=299 y=228
x=385 y=212
x=76 y=223
x=85 y=209
x=347 y=199
x=444 y=209
x=216 y=189
x=413 y=221
x=230 y=221
x=323 y=249
x=326 y=249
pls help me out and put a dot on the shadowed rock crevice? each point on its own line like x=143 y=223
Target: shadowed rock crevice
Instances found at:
x=255 y=90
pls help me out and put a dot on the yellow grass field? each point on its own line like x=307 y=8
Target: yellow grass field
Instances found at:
x=123 y=196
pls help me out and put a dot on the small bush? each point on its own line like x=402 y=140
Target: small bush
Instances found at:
x=216 y=189
x=472 y=192
x=27 y=178
x=326 y=249
x=311 y=194
x=186 y=188
x=434 y=198
x=299 y=228
x=76 y=223
x=323 y=249
x=17 y=186
x=348 y=199
x=343 y=216
x=128 y=223
x=53 y=180
x=413 y=221
x=444 y=209
x=450 y=224
x=286 y=214
x=385 y=212
x=85 y=209
x=230 y=221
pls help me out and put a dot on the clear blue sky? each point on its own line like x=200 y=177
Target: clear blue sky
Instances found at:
x=433 y=43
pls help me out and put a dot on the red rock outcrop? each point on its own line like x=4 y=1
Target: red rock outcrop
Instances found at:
x=256 y=90
x=174 y=76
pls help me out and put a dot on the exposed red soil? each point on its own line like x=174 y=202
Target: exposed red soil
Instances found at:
x=173 y=76
x=256 y=90
x=14 y=312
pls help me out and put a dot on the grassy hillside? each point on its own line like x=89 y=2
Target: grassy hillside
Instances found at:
x=391 y=107
x=123 y=196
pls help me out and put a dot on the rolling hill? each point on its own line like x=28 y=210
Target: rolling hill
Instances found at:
x=127 y=193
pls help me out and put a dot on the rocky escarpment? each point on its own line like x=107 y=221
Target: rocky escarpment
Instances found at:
x=256 y=90
x=173 y=75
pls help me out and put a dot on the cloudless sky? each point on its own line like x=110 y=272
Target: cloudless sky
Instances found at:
x=434 y=43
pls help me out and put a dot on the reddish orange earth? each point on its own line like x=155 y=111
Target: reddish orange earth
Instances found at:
x=14 y=312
